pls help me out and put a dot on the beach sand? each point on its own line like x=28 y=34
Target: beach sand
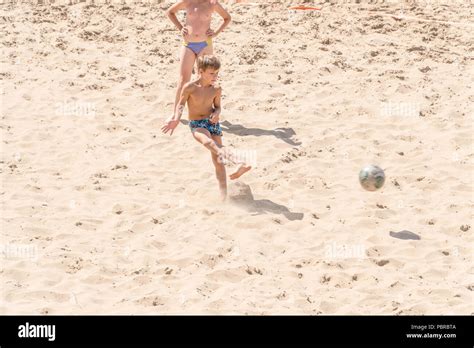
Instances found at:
x=103 y=214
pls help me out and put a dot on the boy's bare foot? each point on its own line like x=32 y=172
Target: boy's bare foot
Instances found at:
x=240 y=171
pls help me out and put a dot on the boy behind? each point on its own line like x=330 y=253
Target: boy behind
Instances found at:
x=197 y=33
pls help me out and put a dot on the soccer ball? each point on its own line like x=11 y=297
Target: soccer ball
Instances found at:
x=371 y=177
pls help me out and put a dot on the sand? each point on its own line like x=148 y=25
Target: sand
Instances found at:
x=103 y=214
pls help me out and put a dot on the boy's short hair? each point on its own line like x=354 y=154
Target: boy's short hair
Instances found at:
x=205 y=62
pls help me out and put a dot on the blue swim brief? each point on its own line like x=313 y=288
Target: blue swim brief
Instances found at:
x=214 y=129
x=197 y=47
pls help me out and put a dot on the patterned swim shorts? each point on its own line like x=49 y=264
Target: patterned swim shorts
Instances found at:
x=214 y=129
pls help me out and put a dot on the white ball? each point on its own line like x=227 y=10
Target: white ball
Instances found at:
x=371 y=177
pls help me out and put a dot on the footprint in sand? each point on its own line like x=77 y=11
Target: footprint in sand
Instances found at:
x=240 y=193
x=227 y=275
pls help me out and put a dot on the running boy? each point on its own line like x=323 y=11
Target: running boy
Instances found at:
x=197 y=34
x=204 y=106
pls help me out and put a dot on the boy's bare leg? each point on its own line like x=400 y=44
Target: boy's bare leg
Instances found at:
x=229 y=155
x=208 y=50
x=187 y=58
x=220 y=168
x=204 y=137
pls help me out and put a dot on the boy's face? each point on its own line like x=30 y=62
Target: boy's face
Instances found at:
x=209 y=75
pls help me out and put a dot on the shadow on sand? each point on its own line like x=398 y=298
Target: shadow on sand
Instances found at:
x=406 y=235
x=241 y=195
x=286 y=134
x=263 y=206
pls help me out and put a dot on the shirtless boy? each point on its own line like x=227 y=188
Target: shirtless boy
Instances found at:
x=196 y=32
x=204 y=106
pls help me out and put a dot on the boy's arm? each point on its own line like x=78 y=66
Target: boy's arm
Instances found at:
x=182 y=102
x=217 y=106
x=171 y=13
x=173 y=121
x=225 y=16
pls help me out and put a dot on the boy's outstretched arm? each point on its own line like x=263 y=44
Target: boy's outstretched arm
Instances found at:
x=171 y=13
x=225 y=16
x=173 y=121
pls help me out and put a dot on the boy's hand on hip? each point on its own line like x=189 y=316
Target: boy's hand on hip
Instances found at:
x=214 y=118
x=184 y=31
x=211 y=33
x=170 y=125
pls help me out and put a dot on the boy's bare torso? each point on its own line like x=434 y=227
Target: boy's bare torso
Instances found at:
x=201 y=101
x=198 y=19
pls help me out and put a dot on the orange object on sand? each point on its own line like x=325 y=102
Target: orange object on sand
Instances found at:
x=303 y=7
